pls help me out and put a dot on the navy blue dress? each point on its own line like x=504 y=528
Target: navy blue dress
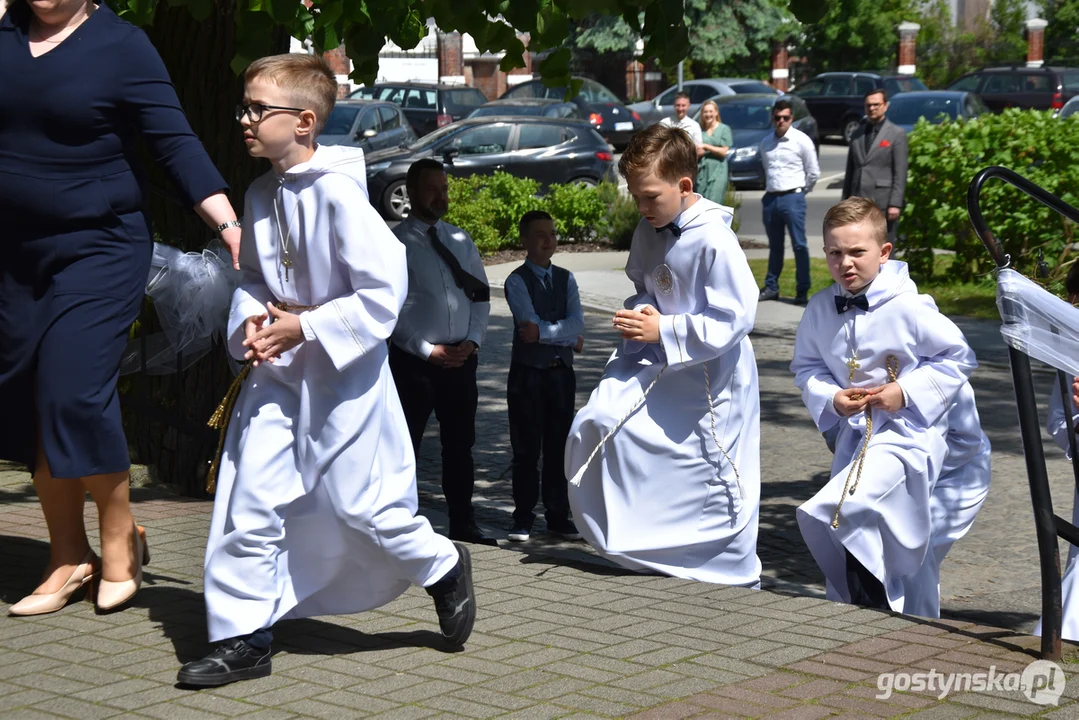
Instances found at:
x=75 y=239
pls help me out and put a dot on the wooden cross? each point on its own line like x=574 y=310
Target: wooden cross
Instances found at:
x=853 y=365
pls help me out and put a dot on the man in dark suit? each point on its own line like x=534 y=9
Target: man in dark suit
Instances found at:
x=877 y=161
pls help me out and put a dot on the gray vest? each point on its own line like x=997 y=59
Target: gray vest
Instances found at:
x=551 y=307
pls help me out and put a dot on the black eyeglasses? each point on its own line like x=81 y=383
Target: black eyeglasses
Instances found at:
x=782 y=118
x=254 y=111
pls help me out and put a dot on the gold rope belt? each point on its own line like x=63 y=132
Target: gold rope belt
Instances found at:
x=892 y=363
x=220 y=419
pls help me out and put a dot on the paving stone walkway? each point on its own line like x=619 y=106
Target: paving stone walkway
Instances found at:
x=561 y=632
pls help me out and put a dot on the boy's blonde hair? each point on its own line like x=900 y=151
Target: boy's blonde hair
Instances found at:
x=668 y=152
x=308 y=80
x=854 y=210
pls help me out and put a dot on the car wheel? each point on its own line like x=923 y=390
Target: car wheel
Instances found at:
x=395 y=201
x=586 y=181
x=849 y=128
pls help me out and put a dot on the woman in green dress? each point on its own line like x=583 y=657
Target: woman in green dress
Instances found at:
x=717 y=137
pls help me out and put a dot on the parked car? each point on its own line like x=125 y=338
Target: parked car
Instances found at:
x=550 y=150
x=837 y=99
x=936 y=106
x=1043 y=88
x=427 y=106
x=599 y=105
x=1070 y=108
x=545 y=107
x=652 y=111
x=750 y=120
x=368 y=124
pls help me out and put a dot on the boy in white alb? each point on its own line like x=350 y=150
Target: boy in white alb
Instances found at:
x=315 y=512
x=911 y=466
x=670 y=483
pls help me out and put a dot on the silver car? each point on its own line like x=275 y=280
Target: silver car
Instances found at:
x=652 y=111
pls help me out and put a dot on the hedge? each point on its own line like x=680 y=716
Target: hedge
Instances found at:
x=489 y=206
x=943 y=160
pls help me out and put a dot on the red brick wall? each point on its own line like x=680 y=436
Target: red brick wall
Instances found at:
x=450 y=58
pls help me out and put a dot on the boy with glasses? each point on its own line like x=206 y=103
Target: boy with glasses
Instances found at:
x=790 y=170
x=877 y=162
x=315 y=507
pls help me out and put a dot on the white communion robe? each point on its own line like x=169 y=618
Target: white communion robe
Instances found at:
x=315 y=511
x=926 y=470
x=660 y=495
x=1057 y=427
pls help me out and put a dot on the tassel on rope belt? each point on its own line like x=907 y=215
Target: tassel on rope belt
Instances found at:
x=220 y=419
x=892 y=363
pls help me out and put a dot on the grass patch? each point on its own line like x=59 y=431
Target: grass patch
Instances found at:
x=969 y=299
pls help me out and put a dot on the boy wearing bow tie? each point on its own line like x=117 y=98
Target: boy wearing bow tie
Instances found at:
x=671 y=484
x=911 y=465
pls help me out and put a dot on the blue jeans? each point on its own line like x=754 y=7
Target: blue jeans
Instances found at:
x=786 y=212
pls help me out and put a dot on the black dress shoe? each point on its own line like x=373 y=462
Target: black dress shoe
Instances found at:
x=455 y=600
x=767 y=294
x=564 y=529
x=471 y=534
x=801 y=299
x=230 y=661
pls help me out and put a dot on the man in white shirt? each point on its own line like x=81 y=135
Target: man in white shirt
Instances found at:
x=683 y=121
x=433 y=350
x=790 y=170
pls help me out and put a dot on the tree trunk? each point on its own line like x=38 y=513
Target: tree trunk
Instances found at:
x=166 y=415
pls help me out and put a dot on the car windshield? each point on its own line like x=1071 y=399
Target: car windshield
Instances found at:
x=593 y=92
x=902 y=85
x=433 y=137
x=459 y=100
x=751 y=88
x=741 y=116
x=490 y=110
x=905 y=110
x=1070 y=108
x=341 y=120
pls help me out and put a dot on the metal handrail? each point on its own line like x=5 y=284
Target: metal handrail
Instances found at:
x=1048 y=526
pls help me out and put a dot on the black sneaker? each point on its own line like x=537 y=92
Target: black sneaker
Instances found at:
x=455 y=600
x=231 y=661
x=518 y=533
x=564 y=529
x=767 y=294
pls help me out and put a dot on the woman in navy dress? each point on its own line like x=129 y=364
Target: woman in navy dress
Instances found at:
x=78 y=87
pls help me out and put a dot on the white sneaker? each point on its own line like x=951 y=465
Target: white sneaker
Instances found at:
x=518 y=534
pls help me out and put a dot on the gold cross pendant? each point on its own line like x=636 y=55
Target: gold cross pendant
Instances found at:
x=853 y=365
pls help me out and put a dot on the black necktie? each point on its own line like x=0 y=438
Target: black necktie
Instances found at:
x=843 y=304
x=475 y=289
x=870 y=135
x=675 y=230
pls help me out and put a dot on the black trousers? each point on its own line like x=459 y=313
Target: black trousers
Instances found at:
x=540 y=405
x=865 y=589
x=451 y=393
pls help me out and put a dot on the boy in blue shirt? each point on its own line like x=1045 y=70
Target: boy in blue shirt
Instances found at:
x=540 y=393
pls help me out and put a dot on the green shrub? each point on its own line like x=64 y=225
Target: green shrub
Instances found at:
x=622 y=218
x=579 y=213
x=489 y=207
x=945 y=158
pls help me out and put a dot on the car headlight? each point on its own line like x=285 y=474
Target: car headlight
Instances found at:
x=378 y=167
x=745 y=153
